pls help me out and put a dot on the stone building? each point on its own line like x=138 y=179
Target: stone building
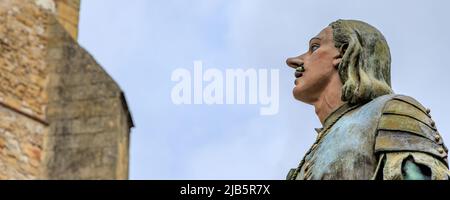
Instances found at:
x=61 y=115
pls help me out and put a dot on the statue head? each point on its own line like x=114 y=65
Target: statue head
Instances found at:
x=352 y=55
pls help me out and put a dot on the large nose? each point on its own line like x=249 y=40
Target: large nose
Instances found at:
x=294 y=62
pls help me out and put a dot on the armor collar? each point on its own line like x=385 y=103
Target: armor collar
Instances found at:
x=335 y=115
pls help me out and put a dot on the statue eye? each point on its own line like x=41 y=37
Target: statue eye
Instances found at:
x=314 y=47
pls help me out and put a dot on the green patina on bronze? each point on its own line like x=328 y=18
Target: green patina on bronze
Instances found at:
x=376 y=134
x=366 y=63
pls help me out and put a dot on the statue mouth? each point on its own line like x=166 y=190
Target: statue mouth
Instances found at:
x=298 y=74
x=299 y=71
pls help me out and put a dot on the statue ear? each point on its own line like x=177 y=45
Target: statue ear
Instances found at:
x=338 y=59
x=343 y=49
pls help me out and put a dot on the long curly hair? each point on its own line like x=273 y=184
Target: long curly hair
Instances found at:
x=365 y=69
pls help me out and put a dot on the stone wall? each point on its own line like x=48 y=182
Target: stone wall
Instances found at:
x=23 y=76
x=62 y=116
x=89 y=120
x=23 y=82
x=67 y=12
x=21 y=142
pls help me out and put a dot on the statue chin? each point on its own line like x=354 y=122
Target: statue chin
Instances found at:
x=301 y=96
x=300 y=92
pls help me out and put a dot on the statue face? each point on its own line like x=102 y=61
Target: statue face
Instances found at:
x=320 y=65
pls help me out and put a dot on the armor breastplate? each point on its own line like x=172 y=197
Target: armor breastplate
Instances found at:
x=352 y=138
x=346 y=151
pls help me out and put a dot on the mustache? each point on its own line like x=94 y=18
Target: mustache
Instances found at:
x=299 y=71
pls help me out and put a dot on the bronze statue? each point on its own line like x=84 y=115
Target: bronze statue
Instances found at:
x=368 y=131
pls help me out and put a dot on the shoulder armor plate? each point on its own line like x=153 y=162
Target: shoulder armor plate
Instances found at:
x=411 y=101
x=405 y=125
x=396 y=141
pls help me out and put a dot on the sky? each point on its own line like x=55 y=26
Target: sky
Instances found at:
x=141 y=43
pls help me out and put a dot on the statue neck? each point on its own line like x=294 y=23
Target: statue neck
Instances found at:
x=329 y=100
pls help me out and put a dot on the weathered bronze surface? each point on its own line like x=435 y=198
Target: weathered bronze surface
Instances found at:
x=368 y=131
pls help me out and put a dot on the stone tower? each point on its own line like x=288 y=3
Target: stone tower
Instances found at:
x=61 y=115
